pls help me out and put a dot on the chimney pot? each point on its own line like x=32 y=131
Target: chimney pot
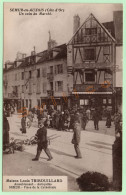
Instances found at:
x=76 y=23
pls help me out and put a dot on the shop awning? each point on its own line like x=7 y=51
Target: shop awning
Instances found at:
x=91 y=92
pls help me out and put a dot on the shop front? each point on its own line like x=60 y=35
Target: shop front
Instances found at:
x=103 y=101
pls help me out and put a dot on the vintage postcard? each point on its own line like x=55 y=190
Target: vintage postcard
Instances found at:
x=62 y=97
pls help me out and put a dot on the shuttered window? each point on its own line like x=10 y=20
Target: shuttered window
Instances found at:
x=44 y=73
x=44 y=87
x=59 y=86
x=59 y=69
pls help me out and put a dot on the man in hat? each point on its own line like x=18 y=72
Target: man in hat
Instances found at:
x=77 y=134
x=96 y=118
x=41 y=136
x=23 y=123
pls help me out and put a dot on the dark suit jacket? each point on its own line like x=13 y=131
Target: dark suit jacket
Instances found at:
x=77 y=133
x=23 y=123
x=6 y=129
x=42 y=137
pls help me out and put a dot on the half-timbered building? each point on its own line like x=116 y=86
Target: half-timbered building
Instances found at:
x=91 y=61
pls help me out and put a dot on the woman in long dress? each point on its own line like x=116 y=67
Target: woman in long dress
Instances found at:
x=23 y=124
x=6 y=129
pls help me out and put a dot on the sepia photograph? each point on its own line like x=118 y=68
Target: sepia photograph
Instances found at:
x=62 y=97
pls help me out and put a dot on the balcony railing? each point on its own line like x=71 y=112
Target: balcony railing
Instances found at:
x=93 y=65
x=105 y=87
x=50 y=76
x=13 y=95
x=50 y=93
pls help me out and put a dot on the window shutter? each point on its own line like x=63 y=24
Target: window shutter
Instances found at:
x=61 y=68
x=55 y=85
x=55 y=69
x=44 y=87
x=61 y=85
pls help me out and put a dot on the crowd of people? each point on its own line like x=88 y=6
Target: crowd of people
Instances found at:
x=60 y=120
x=64 y=120
x=9 y=109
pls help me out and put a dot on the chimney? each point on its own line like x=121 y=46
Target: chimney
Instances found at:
x=51 y=43
x=33 y=56
x=118 y=24
x=33 y=53
x=76 y=23
x=20 y=56
x=24 y=55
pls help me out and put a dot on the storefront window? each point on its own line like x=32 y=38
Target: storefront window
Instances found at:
x=81 y=102
x=109 y=101
x=104 y=101
x=84 y=102
x=59 y=107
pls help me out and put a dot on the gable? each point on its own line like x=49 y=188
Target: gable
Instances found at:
x=91 y=31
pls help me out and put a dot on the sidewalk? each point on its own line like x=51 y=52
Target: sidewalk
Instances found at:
x=20 y=164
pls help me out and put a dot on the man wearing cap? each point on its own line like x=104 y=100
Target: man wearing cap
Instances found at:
x=23 y=123
x=41 y=136
x=96 y=118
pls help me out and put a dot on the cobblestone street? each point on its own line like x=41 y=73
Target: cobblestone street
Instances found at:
x=96 y=148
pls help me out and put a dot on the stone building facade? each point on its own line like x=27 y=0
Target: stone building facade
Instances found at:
x=40 y=79
x=92 y=55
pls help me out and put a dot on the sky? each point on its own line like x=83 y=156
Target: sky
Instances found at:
x=23 y=32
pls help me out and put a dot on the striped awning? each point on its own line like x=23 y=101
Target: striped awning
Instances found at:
x=91 y=92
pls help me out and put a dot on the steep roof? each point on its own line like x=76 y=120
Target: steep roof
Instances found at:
x=60 y=52
x=48 y=55
x=102 y=26
x=110 y=27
